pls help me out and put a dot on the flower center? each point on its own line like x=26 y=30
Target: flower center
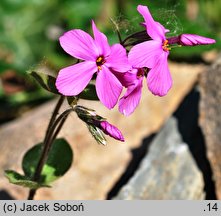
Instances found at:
x=100 y=61
x=165 y=46
x=142 y=72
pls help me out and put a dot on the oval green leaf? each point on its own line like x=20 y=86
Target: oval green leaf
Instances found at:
x=59 y=161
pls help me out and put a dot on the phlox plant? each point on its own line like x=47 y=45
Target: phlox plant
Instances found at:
x=101 y=72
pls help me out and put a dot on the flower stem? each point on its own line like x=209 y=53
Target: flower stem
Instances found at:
x=53 y=129
x=47 y=146
x=54 y=114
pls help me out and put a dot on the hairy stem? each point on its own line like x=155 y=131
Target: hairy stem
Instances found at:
x=54 y=114
x=52 y=133
x=53 y=129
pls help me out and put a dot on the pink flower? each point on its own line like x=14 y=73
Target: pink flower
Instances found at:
x=193 y=40
x=98 y=56
x=111 y=130
x=153 y=54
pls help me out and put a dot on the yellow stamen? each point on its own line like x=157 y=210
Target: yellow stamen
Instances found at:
x=166 y=46
x=100 y=61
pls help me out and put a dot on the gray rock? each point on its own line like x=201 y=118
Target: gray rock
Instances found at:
x=168 y=171
x=210 y=118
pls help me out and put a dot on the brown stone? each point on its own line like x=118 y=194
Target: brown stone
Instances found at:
x=210 y=118
x=96 y=168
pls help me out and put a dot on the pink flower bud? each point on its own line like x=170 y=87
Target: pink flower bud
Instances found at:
x=194 y=40
x=111 y=130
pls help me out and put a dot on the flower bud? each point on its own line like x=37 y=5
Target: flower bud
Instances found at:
x=194 y=40
x=83 y=111
x=97 y=125
x=111 y=130
x=97 y=134
x=87 y=115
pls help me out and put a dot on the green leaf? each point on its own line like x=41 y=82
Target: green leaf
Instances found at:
x=89 y=93
x=51 y=84
x=18 y=179
x=46 y=81
x=59 y=161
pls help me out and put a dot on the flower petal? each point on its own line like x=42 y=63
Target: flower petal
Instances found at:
x=194 y=40
x=101 y=41
x=79 y=44
x=118 y=60
x=73 y=79
x=128 y=78
x=131 y=99
x=154 y=29
x=108 y=87
x=159 y=79
x=111 y=130
x=145 y=54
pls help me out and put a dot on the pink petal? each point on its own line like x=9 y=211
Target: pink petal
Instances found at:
x=73 y=79
x=127 y=78
x=103 y=48
x=108 y=87
x=159 y=80
x=193 y=40
x=111 y=130
x=131 y=99
x=79 y=44
x=145 y=54
x=154 y=29
x=118 y=60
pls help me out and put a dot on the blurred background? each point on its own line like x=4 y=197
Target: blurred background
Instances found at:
x=29 y=32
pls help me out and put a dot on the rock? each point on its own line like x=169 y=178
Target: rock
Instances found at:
x=210 y=118
x=96 y=169
x=168 y=170
x=187 y=116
